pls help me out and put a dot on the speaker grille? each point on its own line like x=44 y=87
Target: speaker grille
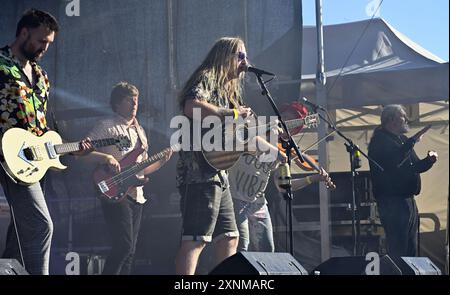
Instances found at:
x=260 y=263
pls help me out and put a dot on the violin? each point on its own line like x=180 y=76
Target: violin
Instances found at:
x=310 y=164
x=296 y=110
x=302 y=165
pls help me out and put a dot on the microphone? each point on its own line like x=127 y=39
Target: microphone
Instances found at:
x=312 y=105
x=257 y=71
x=285 y=176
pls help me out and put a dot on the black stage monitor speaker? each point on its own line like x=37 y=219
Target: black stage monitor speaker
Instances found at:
x=417 y=266
x=355 y=265
x=259 y=263
x=11 y=267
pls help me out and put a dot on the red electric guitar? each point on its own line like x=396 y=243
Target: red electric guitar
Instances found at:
x=115 y=186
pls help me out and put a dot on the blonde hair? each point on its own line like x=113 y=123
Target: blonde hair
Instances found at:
x=214 y=71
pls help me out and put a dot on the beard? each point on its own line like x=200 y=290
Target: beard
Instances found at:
x=404 y=129
x=29 y=53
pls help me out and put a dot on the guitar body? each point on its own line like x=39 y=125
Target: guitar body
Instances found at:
x=225 y=159
x=17 y=143
x=117 y=191
x=222 y=160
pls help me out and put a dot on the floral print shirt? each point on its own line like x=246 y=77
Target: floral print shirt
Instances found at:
x=22 y=105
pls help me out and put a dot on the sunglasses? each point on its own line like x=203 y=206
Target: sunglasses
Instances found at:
x=241 y=55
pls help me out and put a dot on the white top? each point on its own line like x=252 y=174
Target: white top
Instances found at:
x=249 y=178
x=113 y=127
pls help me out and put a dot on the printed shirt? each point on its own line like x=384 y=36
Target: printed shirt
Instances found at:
x=113 y=127
x=249 y=178
x=192 y=166
x=22 y=104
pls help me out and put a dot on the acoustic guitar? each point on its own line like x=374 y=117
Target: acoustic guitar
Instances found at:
x=223 y=159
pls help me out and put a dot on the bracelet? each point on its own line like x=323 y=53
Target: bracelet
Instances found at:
x=236 y=114
x=308 y=180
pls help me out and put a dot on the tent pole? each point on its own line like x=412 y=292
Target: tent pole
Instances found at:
x=321 y=95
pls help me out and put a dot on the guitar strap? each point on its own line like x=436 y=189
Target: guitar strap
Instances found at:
x=141 y=136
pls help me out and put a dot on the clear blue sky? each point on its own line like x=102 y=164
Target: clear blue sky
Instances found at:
x=424 y=21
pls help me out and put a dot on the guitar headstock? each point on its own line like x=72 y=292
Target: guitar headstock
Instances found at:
x=311 y=121
x=123 y=143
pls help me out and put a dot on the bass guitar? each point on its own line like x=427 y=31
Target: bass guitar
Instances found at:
x=114 y=186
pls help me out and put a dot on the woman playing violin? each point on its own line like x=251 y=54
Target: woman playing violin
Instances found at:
x=291 y=111
x=248 y=182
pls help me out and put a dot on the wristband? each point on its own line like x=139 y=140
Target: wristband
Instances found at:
x=235 y=114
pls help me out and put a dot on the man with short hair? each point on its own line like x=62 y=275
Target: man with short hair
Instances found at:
x=24 y=91
x=123 y=219
x=395 y=186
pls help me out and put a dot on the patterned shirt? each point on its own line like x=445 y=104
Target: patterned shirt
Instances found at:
x=113 y=127
x=21 y=104
x=192 y=166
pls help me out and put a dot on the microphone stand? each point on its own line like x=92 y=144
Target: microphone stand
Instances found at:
x=288 y=145
x=352 y=149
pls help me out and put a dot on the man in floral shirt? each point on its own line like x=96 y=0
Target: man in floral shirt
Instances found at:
x=24 y=85
x=24 y=89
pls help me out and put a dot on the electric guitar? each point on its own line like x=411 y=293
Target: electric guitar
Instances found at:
x=27 y=157
x=114 y=186
x=223 y=160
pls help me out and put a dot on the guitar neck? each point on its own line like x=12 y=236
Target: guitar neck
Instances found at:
x=71 y=147
x=141 y=165
x=291 y=124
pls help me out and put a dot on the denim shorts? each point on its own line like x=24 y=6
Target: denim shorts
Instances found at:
x=207 y=210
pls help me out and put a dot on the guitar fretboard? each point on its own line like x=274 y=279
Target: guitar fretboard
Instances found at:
x=294 y=123
x=71 y=147
x=139 y=166
x=133 y=170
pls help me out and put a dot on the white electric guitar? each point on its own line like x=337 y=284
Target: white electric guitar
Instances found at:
x=27 y=157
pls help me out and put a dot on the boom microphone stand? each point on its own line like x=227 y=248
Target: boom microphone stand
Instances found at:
x=355 y=163
x=288 y=145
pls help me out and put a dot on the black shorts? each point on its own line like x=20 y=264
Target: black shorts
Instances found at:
x=207 y=210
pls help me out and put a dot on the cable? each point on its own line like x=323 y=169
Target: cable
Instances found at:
x=354 y=47
x=17 y=235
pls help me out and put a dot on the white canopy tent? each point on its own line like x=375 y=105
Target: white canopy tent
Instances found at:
x=369 y=64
